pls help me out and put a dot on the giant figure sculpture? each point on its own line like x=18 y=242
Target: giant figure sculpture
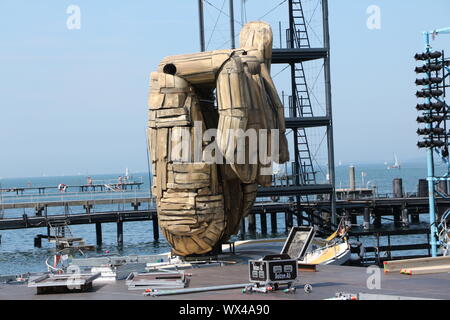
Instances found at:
x=200 y=202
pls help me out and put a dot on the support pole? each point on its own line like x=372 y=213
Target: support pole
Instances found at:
x=251 y=223
x=430 y=166
x=120 y=234
x=243 y=229
x=286 y=222
x=415 y=218
x=377 y=220
x=291 y=25
x=155 y=227
x=297 y=165
x=273 y=222
x=329 y=109
x=397 y=212
x=405 y=217
x=201 y=25
x=378 y=249
x=98 y=233
x=289 y=218
x=232 y=32
x=197 y=290
x=366 y=224
x=353 y=218
x=263 y=223
x=38 y=242
x=281 y=37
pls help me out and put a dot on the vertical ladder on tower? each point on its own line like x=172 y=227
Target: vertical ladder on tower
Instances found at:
x=300 y=39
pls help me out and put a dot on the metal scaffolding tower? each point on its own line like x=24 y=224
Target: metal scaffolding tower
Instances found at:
x=301 y=109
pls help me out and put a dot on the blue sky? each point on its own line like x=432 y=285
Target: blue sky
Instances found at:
x=74 y=101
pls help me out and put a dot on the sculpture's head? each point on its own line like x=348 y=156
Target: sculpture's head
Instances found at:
x=258 y=35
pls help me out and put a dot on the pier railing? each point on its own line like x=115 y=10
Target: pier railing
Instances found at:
x=72 y=196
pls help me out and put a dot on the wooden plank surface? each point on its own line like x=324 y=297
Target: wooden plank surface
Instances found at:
x=397 y=266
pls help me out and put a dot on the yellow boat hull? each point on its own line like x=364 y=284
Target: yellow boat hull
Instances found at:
x=336 y=254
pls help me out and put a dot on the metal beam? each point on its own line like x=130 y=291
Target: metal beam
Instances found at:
x=295 y=190
x=201 y=25
x=232 y=33
x=285 y=56
x=312 y=122
x=329 y=109
x=440 y=31
x=431 y=172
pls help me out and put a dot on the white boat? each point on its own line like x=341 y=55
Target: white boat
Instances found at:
x=328 y=254
x=396 y=164
x=335 y=250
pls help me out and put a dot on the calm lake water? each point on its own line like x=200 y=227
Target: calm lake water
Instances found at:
x=18 y=255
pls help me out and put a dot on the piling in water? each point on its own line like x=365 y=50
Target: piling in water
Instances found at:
x=422 y=191
x=397 y=188
x=98 y=233
x=352 y=178
x=366 y=223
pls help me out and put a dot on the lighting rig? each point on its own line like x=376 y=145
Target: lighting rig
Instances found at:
x=433 y=78
x=435 y=110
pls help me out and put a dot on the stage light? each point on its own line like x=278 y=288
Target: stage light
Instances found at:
x=437 y=106
x=430 y=144
x=430 y=119
x=434 y=112
x=430 y=132
x=429 y=93
x=429 y=81
x=431 y=67
x=428 y=56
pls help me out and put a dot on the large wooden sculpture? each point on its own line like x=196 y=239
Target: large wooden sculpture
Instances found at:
x=201 y=202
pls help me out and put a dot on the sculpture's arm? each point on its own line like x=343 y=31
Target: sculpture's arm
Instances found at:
x=279 y=111
x=237 y=143
x=257 y=39
x=198 y=68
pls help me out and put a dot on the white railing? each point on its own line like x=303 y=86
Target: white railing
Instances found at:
x=75 y=196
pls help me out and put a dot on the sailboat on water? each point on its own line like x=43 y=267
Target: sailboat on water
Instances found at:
x=396 y=165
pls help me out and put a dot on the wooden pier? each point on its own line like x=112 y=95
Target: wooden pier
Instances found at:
x=381 y=217
x=268 y=213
